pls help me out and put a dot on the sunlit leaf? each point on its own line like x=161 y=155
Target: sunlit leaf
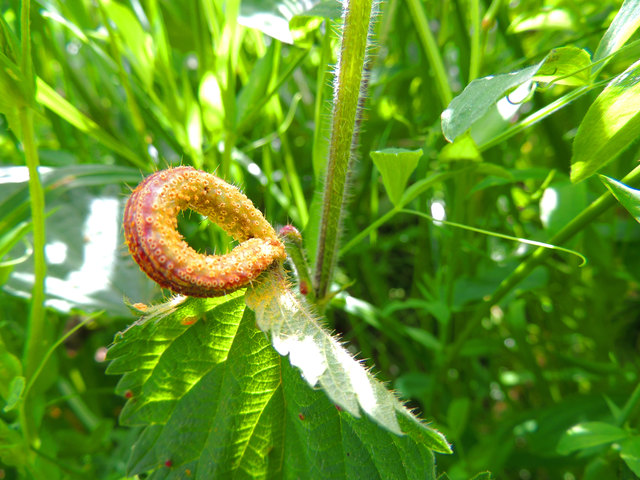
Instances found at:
x=565 y=66
x=622 y=27
x=296 y=332
x=610 y=125
x=476 y=99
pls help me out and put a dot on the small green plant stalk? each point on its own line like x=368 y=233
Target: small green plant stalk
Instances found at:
x=292 y=240
x=37 y=341
x=349 y=92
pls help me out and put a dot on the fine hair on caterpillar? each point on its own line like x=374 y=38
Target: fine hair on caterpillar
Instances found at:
x=151 y=233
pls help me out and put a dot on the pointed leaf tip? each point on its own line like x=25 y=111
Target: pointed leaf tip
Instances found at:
x=396 y=166
x=628 y=197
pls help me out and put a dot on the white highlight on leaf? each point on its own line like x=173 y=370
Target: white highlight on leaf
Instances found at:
x=303 y=354
x=296 y=332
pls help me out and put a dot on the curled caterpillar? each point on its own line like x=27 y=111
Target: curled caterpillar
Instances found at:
x=151 y=233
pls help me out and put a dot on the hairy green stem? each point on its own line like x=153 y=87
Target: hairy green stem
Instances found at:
x=600 y=205
x=349 y=91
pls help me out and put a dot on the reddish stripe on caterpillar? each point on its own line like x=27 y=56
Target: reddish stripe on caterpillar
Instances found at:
x=151 y=233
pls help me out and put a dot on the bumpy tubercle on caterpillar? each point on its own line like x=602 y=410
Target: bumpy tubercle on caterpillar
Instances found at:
x=151 y=233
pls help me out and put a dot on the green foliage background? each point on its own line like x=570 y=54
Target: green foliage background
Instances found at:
x=539 y=381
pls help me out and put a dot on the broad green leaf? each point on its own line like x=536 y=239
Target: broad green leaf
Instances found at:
x=217 y=401
x=476 y=99
x=610 y=125
x=396 y=166
x=622 y=27
x=565 y=66
x=630 y=453
x=296 y=332
x=628 y=197
x=589 y=434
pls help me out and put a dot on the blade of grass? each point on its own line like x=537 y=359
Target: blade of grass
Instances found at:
x=432 y=51
x=49 y=98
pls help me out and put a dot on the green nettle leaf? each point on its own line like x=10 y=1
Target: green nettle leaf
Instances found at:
x=610 y=125
x=589 y=434
x=396 y=166
x=628 y=197
x=624 y=24
x=217 y=401
x=296 y=332
x=565 y=66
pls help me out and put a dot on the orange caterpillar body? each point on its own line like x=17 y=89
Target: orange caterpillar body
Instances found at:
x=151 y=233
